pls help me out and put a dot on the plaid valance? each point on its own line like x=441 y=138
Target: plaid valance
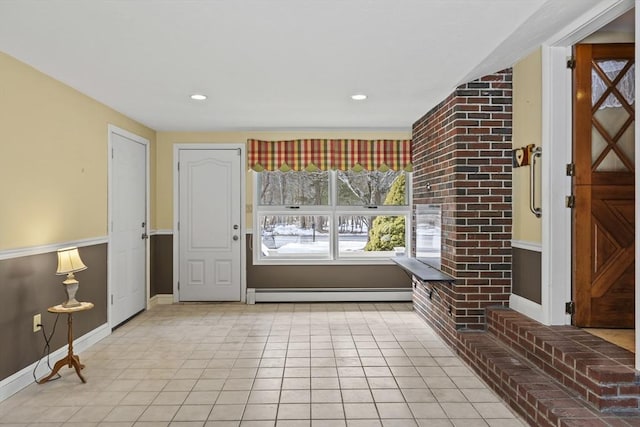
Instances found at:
x=324 y=154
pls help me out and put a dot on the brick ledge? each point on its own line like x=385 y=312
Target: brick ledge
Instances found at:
x=537 y=397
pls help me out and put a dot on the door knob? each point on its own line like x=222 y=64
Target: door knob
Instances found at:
x=235 y=237
x=144 y=236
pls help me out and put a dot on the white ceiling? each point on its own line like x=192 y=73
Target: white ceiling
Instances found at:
x=275 y=64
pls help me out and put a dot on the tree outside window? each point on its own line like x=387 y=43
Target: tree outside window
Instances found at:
x=330 y=215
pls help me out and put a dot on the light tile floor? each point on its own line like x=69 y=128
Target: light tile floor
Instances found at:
x=230 y=364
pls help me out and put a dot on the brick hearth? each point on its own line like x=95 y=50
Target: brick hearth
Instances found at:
x=553 y=376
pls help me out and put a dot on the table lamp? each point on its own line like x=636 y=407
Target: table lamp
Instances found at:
x=68 y=263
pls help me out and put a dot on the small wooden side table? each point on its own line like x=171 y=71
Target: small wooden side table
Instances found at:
x=72 y=360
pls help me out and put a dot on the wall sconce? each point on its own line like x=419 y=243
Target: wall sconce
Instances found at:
x=68 y=263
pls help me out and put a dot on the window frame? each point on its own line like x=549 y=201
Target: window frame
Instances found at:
x=332 y=211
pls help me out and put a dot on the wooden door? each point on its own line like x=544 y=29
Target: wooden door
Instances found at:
x=209 y=233
x=603 y=152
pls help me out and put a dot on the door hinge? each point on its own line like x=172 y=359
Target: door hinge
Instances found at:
x=178 y=285
x=570 y=307
x=111 y=299
x=571 y=62
x=178 y=166
x=112 y=153
x=178 y=225
x=570 y=201
x=571 y=169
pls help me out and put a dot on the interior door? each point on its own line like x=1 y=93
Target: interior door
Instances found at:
x=603 y=152
x=209 y=225
x=128 y=246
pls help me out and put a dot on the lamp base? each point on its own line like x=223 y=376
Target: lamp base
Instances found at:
x=71 y=287
x=71 y=304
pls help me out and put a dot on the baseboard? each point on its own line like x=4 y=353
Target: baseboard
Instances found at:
x=16 y=382
x=333 y=295
x=160 y=299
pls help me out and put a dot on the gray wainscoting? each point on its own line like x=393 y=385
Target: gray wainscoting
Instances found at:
x=161 y=260
x=527 y=268
x=28 y=286
x=323 y=276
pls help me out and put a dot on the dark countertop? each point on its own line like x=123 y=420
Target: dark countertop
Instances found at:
x=421 y=270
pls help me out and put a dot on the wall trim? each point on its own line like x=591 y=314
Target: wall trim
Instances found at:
x=332 y=294
x=557 y=125
x=21 y=379
x=43 y=249
x=526 y=307
x=161 y=299
x=529 y=246
x=161 y=232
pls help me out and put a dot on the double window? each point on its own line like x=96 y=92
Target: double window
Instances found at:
x=336 y=216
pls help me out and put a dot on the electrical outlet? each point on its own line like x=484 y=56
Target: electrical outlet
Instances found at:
x=37 y=321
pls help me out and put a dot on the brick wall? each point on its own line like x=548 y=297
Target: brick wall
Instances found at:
x=462 y=161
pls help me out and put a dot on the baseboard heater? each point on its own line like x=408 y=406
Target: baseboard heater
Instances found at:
x=328 y=294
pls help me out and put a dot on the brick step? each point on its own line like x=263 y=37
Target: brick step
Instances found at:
x=539 y=399
x=599 y=372
x=536 y=396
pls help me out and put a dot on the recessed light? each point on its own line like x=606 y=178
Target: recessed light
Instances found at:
x=359 y=97
x=198 y=97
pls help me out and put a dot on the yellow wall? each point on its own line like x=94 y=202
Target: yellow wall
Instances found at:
x=53 y=159
x=167 y=140
x=527 y=129
x=610 y=37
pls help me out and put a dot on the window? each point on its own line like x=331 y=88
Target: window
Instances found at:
x=330 y=216
x=294 y=188
x=330 y=200
x=428 y=233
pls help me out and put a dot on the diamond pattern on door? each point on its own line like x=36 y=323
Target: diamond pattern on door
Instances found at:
x=612 y=116
x=604 y=186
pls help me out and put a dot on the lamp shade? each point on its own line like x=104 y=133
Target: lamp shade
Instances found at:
x=69 y=261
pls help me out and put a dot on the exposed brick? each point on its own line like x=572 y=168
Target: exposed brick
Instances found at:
x=462 y=148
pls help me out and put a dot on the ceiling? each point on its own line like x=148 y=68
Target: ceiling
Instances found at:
x=276 y=64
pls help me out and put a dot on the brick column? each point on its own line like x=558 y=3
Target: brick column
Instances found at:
x=462 y=162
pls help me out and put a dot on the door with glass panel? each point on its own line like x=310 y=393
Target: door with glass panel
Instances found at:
x=603 y=185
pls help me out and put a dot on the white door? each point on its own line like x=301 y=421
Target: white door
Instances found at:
x=127 y=252
x=209 y=225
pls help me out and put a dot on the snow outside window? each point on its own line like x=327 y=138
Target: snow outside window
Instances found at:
x=331 y=216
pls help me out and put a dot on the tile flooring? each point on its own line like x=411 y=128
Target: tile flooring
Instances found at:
x=232 y=364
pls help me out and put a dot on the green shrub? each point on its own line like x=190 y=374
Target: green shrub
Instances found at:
x=387 y=232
